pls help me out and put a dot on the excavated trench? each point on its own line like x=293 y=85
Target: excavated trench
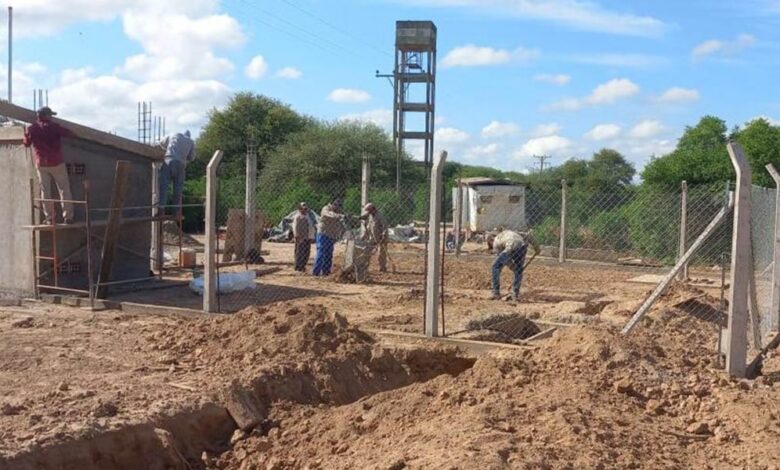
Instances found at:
x=189 y=440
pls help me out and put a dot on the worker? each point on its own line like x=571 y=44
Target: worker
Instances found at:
x=329 y=231
x=303 y=234
x=510 y=248
x=179 y=150
x=45 y=137
x=376 y=233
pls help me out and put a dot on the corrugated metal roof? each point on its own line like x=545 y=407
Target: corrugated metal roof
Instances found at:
x=486 y=181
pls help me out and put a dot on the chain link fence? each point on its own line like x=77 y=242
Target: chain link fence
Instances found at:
x=275 y=266
x=619 y=243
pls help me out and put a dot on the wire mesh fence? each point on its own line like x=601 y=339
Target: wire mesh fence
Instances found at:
x=621 y=242
x=316 y=239
x=763 y=214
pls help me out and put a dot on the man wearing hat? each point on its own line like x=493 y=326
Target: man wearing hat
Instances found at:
x=329 y=231
x=376 y=232
x=303 y=234
x=179 y=150
x=45 y=137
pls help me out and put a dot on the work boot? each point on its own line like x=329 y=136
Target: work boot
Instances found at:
x=496 y=296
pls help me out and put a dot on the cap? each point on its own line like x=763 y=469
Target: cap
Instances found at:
x=46 y=111
x=303 y=205
x=368 y=207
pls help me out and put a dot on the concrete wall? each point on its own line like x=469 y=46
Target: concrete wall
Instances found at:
x=97 y=163
x=16 y=265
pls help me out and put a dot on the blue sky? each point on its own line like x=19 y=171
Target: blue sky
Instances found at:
x=516 y=77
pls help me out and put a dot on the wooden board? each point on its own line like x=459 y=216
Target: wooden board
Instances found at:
x=113 y=225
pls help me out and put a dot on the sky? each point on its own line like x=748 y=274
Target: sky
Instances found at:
x=516 y=78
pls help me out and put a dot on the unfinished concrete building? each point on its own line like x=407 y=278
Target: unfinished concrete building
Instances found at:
x=26 y=248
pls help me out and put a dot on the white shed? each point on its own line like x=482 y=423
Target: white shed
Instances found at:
x=488 y=203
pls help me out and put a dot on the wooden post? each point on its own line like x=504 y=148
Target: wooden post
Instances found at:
x=562 y=242
x=250 y=201
x=113 y=225
x=683 y=276
x=210 y=255
x=457 y=223
x=736 y=332
x=775 y=311
x=433 y=263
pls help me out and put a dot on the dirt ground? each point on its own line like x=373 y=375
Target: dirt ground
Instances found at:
x=84 y=390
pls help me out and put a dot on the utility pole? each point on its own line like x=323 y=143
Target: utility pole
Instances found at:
x=542 y=160
x=10 y=52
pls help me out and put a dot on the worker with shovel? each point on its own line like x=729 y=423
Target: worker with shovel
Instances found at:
x=376 y=233
x=510 y=248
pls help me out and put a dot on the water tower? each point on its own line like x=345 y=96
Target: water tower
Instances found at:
x=414 y=87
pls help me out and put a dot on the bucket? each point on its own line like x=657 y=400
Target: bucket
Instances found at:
x=187 y=258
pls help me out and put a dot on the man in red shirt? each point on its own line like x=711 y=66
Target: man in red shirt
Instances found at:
x=45 y=137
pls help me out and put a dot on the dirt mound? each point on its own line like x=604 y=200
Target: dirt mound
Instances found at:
x=587 y=398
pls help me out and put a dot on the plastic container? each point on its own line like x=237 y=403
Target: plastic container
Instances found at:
x=227 y=282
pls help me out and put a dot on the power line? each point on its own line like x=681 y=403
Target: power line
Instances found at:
x=336 y=28
x=316 y=37
x=304 y=39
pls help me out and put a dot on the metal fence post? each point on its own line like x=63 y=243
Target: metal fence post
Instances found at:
x=250 y=200
x=562 y=242
x=433 y=263
x=775 y=312
x=210 y=256
x=741 y=252
x=683 y=276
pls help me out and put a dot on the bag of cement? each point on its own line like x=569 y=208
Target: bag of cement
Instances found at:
x=227 y=282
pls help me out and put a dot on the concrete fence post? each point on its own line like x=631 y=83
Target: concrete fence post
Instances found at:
x=210 y=255
x=157 y=245
x=741 y=261
x=562 y=241
x=365 y=180
x=683 y=276
x=457 y=222
x=775 y=312
x=250 y=201
x=433 y=263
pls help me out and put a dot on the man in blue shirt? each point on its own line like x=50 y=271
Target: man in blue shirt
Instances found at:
x=179 y=150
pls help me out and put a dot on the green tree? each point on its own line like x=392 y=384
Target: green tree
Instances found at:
x=700 y=157
x=761 y=142
x=270 y=121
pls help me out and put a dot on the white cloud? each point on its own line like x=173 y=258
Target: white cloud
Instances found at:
x=548 y=145
x=559 y=79
x=256 y=68
x=482 y=151
x=475 y=56
x=772 y=121
x=606 y=93
x=547 y=129
x=450 y=136
x=381 y=117
x=290 y=73
x=178 y=68
x=721 y=47
x=677 y=95
x=500 y=129
x=638 y=61
x=646 y=129
x=349 y=95
x=603 y=132
x=584 y=15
